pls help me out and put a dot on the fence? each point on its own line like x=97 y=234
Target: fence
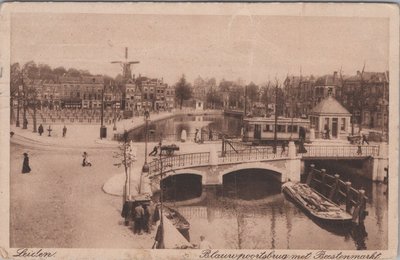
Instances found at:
x=179 y=161
x=341 y=151
x=252 y=153
x=338 y=191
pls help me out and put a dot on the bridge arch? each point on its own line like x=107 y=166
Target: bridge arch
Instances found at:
x=187 y=171
x=280 y=173
x=182 y=185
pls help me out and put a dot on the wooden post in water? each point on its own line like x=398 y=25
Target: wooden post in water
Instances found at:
x=348 y=197
x=223 y=146
x=310 y=174
x=335 y=187
x=362 y=202
x=323 y=184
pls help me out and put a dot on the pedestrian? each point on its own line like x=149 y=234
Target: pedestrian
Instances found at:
x=302 y=149
x=139 y=214
x=283 y=147
x=25 y=165
x=364 y=139
x=204 y=244
x=146 y=218
x=210 y=134
x=154 y=152
x=196 y=135
x=359 y=151
x=40 y=129
x=64 y=131
x=85 y=161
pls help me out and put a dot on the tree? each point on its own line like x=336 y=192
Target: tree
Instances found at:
x=266 y=97
x=73 y=72
x=15 y=82
x=183 y=90
x=252 y=93
x=214 y=99
x=45 y=72
x=59 y=71
x=126 y=156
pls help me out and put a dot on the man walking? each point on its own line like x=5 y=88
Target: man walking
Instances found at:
x=146 y=218
x=139 y=214
x=283 y=147
x=364 y=139
x=64 y=131
x=154 y=152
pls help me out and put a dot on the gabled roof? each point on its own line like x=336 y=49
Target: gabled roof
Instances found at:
x=329 y=106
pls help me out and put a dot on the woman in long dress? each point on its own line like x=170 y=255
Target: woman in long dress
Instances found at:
x=25 y=165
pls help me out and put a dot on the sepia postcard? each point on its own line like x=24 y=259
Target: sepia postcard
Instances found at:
x=199 y=131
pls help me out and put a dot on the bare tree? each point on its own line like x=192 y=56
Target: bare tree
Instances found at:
x=182 y=90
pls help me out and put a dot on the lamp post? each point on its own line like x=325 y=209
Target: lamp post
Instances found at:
x=103 y=129
x=25 y=121
x=115 y=110
x=276 y=118
x=145 y=168
x=18 y=101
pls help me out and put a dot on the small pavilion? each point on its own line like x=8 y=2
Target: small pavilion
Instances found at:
x=330 y=120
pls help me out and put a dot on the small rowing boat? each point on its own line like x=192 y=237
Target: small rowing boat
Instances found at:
x=315 y=203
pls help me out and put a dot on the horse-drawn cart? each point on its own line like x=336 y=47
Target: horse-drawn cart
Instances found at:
x=169 y=149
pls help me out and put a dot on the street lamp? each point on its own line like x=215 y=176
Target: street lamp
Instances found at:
x=103 y=129
x=115 y=110
x=145 y=168
x=18 y=106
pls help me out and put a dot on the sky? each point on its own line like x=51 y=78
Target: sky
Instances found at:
x=253 y=48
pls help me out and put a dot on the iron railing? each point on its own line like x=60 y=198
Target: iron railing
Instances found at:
x=252 y=154
x=343 y=151
x=179 y=161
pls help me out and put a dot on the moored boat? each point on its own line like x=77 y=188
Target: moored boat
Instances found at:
x=178 y=221
x=315 y=204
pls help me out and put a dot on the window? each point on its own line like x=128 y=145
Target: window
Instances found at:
x=290 y=130
x=281 y=128
x=343 y=124
x=268 y=128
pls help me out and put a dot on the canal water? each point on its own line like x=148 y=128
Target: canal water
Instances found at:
x=171 y=129
x=249 y=211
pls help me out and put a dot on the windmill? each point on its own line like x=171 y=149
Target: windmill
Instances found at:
x=126 y=65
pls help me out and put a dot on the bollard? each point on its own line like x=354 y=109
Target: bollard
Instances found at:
x=348 y=197
x=335 y=187
x=310 y=175
x=323 y=184
x=361 y=201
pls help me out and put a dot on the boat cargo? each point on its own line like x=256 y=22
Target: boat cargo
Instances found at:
x=315 y=204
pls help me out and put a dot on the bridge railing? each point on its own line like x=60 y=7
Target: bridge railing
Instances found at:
x=179 y=161
x=345 y=151
x=252 y=154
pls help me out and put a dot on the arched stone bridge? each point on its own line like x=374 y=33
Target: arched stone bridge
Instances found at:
x=286 y=165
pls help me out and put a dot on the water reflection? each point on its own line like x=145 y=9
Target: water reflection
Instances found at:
x=171 y=129
x=269 y=220
x=249 y=211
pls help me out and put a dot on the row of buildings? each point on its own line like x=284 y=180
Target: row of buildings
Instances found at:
x=88 y=92
x=365 y=95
